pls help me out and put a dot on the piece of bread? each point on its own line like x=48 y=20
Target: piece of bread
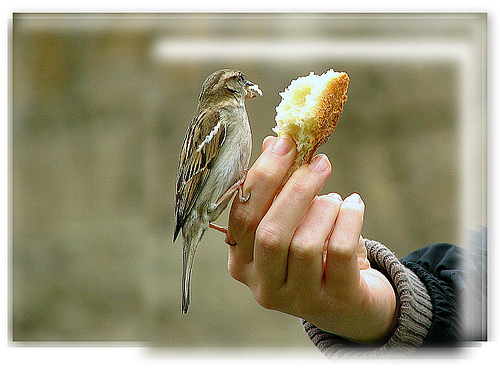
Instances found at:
x=309 y=110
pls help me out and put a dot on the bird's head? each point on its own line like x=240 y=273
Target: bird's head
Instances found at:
x=229 y=82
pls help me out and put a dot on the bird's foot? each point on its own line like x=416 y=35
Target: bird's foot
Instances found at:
x=241 y=198
x=238 y=185
x=218 y=227
x=224 y=230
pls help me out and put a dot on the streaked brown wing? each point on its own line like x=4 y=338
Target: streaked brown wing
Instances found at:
x=202 y=142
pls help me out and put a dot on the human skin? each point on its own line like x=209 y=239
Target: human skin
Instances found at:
x=302 y=253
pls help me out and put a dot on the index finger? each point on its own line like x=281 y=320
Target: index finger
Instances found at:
x=263 y=181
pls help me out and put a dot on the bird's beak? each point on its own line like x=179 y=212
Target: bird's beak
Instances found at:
x=252 y=90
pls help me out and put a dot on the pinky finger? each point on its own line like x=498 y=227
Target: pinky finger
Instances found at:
x=342 y=261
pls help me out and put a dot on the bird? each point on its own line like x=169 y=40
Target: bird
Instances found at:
x=213 y=162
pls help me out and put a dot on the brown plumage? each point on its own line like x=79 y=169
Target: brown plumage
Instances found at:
x=214 y=156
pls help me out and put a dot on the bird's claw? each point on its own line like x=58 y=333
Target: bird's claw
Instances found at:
x=226 y=240
x=243 y=199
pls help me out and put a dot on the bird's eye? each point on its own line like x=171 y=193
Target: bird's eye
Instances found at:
x=241 y=77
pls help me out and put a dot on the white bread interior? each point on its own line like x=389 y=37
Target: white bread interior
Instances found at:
x=309 y=110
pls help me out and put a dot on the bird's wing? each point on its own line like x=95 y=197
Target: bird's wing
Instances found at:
x=202 y=143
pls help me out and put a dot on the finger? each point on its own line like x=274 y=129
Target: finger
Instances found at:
x=277 y=227
x=341 y=268
x=263 y=180
x=305 y=259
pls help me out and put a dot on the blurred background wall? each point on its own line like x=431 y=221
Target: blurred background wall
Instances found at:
x=100 y=106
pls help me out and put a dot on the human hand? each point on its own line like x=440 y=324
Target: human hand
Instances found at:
x=303 y=254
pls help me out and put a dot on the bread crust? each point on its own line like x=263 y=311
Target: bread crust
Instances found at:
x=309 y=111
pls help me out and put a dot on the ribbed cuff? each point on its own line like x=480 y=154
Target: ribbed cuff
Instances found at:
x=415 y=313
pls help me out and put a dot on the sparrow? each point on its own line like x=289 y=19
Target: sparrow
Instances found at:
x=213 y=162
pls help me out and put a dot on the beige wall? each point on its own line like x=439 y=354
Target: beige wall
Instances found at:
x=100 y=107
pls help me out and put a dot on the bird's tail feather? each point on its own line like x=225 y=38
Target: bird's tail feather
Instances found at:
x=188 y=252
x=187 y=267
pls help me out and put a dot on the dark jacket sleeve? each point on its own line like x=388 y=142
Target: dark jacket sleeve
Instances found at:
x=439 y=267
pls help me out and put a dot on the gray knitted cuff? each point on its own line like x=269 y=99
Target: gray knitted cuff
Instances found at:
x=415 y=313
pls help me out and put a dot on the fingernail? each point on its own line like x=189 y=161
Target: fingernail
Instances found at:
x=283 y=146
x=335 y=197
x=354 y=198
x=319 y=163
x=266 y=142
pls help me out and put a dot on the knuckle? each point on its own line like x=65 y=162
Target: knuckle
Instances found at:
x=259 y=172
x=242 y=219
x=268 y=238
x=299 y=187
x=343 y=250
x=303 y=249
